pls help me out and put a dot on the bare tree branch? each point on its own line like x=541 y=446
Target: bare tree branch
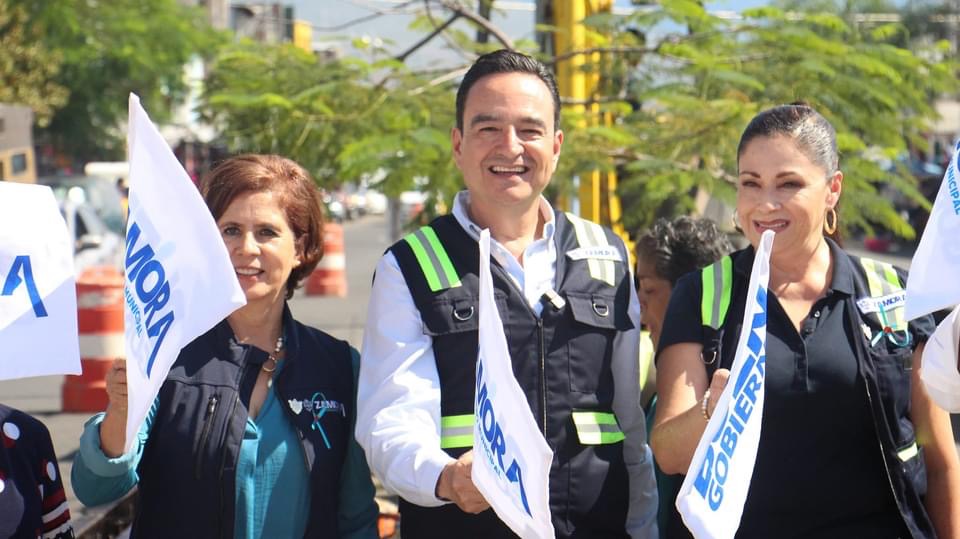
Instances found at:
x=441 y=79
x=402 y=57
x=376 y=13
x=465 y=54
x=475 y=18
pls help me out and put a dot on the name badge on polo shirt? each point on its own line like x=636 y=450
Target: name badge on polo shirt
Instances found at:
x=606 y=252
x=886 y=303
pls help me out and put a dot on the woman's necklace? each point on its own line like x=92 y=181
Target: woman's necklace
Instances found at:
x=272 y=358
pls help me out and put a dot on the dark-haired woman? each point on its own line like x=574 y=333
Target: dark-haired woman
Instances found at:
x=252 y=432
x=851 y=445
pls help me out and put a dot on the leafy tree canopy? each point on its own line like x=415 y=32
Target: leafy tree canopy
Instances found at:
x=28 y=68
x=106 y=50
x=679 y=83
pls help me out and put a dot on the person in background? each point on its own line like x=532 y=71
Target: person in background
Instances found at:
x=124 y=190
x=850 y=444
x=32 y=500
x=666 y=252
x=252 y=432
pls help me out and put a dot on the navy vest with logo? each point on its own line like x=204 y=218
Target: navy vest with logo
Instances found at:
x=562 y=361
x=188 y=470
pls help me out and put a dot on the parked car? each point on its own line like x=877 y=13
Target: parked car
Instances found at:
x=94 y=244
x=376 y=202
x=101 y=194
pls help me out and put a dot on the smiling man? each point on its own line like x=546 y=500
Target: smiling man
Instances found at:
x=570 y=315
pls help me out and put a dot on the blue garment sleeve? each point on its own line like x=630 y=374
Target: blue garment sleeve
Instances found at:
x=358 y=510
x=98 y=479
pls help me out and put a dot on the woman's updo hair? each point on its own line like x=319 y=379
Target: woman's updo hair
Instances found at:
x=814 y=135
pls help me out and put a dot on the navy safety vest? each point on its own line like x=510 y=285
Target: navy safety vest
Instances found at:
x=188 y=470
x=561 y=360
x=887 y=382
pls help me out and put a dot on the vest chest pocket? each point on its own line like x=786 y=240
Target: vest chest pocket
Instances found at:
x=457 y=314
x=596 y=320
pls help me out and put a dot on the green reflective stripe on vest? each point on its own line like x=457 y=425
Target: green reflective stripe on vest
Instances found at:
x=882 y=280
x=908 y=452
x=597 y=428
x=717 y=281
x=591 y=234
x=456 y=431
x=433 y=259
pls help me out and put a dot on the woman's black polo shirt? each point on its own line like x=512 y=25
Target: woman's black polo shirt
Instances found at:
x=819 y=470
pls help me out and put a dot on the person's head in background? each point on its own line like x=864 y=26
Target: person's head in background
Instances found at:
x=670 y=249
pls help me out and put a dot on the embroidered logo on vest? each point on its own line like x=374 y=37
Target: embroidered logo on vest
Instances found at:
x=317 y=405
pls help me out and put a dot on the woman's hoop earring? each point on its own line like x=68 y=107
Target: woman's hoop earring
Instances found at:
x=829 y=227
x=736 y=220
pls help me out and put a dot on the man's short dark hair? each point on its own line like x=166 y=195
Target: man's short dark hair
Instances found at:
x=507 y=61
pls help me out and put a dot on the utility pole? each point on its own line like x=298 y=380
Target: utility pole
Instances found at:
x=578 y=78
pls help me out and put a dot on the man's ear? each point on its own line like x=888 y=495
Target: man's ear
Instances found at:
x=456 y=140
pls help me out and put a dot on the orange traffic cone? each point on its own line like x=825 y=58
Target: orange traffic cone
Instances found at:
x=330 y=277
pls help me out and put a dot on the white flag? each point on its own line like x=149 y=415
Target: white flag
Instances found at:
x=939 y=370
x=933 y=284
x=511 y=462
x=179 y=278
x=713 y=493
x=38 y=295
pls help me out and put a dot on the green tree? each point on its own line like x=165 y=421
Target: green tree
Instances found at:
x=107 y=50
x=701 y=79
x=681 y=84
x=28 y=68
x=344 y=120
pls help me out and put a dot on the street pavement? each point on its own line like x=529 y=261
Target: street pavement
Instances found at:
x=365 y=239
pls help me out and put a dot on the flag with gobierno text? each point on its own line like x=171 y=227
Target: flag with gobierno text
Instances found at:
x=179 y=279
x=715 y=489
x=511 y=461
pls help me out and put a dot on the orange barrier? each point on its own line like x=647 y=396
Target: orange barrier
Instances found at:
x=330 y=277
x=100 y=323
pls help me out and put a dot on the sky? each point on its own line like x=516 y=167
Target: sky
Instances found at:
x=393 y=29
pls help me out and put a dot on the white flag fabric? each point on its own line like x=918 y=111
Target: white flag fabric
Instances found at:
x=933 y=284
x=711 y=498
x=939 y=370
x=511 y=462
x=38 y=294
x=179 y=278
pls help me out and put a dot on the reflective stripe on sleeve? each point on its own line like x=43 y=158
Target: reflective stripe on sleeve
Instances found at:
x=456 y=431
